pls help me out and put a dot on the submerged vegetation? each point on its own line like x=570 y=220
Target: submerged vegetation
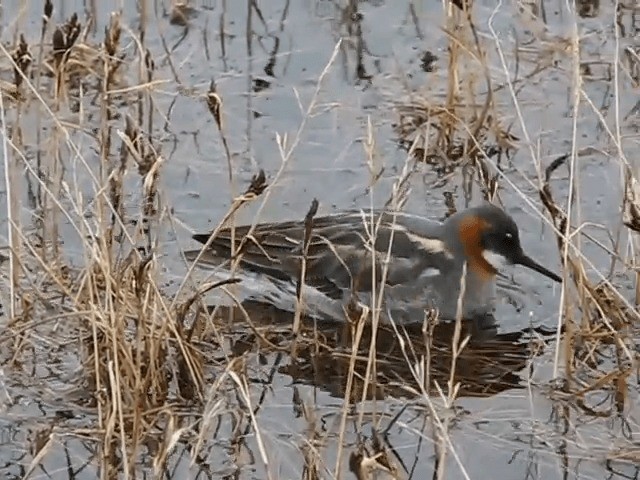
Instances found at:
x=112 y=364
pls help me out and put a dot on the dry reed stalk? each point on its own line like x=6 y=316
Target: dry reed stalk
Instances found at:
x=141 y=357
x=596 y=324
x=131 y=346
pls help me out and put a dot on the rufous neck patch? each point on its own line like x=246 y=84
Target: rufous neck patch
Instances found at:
x=470 y=231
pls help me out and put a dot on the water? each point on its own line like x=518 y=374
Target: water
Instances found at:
x=323 y=81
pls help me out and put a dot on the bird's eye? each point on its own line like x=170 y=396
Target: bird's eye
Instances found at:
x=508 y=236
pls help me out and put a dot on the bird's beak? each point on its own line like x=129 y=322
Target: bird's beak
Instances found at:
x=529 y=262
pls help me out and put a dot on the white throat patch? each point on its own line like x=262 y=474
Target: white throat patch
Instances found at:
x=495 y=259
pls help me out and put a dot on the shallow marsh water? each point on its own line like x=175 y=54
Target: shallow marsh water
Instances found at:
x=356 y=67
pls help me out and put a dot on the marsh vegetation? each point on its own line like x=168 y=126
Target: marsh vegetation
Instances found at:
x=127 y=126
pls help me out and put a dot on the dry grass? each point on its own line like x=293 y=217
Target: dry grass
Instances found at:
x=151 y=373
x=596 y=355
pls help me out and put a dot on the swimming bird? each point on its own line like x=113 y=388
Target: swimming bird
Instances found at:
x=426 y=265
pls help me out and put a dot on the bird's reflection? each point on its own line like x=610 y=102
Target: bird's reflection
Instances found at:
x=323 y=352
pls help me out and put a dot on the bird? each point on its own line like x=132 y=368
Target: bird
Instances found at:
x=403 y=264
